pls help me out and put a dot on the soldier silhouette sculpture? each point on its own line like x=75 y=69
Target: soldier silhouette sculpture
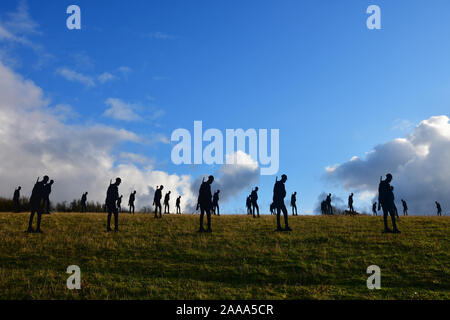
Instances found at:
x=112 y=197
x=204 y=200
x=254 y=201
x=438 y=208
x=166 y=203
x=374 y=209
x=350 y=203
x=279 y=193
x=386 y=202
x=405 y=207
x=16 y=199
x=131 y=200
x=83 y=202
x=47 y=191
x=36 y=198
x=328 y=203
x=248 y=204
x=294 y=204
x=157 y=201
x=177 y=204
x=216 y=203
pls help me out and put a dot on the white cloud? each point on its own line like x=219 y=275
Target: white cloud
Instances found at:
x=74 y=76
x=105 y=77
x=418 y=162
x=121 y=110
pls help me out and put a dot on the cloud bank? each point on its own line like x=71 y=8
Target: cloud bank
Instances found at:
x=419 y=163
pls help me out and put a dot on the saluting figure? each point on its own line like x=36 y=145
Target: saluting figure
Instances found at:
x=37 y=196
x=204 y=199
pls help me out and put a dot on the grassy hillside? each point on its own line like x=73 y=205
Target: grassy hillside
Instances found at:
x=323 y=258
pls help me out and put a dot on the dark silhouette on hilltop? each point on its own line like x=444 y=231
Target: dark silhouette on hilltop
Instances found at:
x=131 y=200
x=216 y=203
x=439 y=209
x=204 y=199
x=16 y=199
x=374 y=208
x=294 y=204
x=279 y=193
x=157 y=201
x=324 y=207
x=166 y=203
x=112 y=199
x=350 y=203
x=386 y=201
x=37 y=196
x=83 y=202
x=177 y=204
x=254 y=201
x=248 y=204
x=47 y=191
x=328 y=203
x=405 y=208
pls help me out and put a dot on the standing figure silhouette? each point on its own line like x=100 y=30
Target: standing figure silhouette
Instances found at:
x=157 y=201
x=166 y=203
x=374 y=209
x=294 y=203
x=37 y=196
x=16 y=199
x=386 y=201
x=254 y=201
x=350 y=203
x=47 y=191
x=204 y=199
x=216 y=203
x=83 y=202
x=439 y=209
x=177 y=204
x=248 y=204
x=329 y=206
x=405 y=208
x=279 y=193
x=131 y=200
x=112 y=197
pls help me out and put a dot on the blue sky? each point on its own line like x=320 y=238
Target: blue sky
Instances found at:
x=309 y=68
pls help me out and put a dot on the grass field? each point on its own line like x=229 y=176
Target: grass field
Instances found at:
x=323 y=258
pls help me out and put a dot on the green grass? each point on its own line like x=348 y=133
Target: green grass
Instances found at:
x=323 y=258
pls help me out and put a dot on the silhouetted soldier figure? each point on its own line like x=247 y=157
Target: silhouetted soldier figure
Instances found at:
x=47 y=191
x=294 y=204
x=279 y=193
x=16 y=199
x=324 y=207
x=83 y=202
x=329 y=207
x=248 y=204
x=37 y=195
x=439 y=209
x=112 y=199
x=374 y=208
x=254 y=201
x=386 y=201
x=405 y=208
x=119 y=203
x=272 y=209
x=131 y=200
x=166 y=203
x=177 y=204
x=216 y=203
x=204 y=199
x=157 y=201
x=350 y=203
